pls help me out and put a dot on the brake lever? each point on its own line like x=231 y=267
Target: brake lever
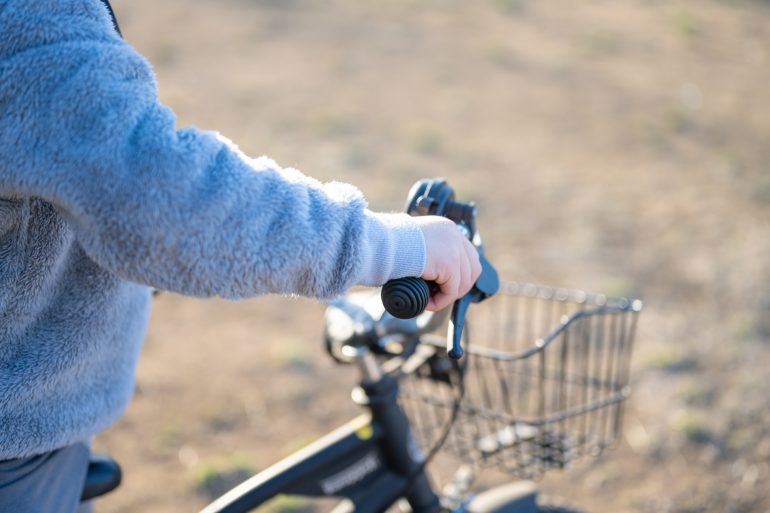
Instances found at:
x=407 y=297
x=486 y=285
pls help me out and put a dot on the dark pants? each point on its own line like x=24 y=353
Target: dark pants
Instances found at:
x=46 y=483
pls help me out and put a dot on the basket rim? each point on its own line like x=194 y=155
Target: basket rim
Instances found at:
x=563 y=294
x=592 y=304
x=542 y=343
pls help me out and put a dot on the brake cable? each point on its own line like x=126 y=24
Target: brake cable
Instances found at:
x=461 y=368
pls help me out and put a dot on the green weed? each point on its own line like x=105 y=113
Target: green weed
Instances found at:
x=334 y=125
x=427 y=141
x=501 y=56
x=739 y=440
x=299 y=443
x=686 y=24
x=358 y=157
x=289 y=504
x=163 y=56
x=170 y=434
x=219 y=421
x=693 y=428
x=212 y=478
x=695 y=392
x=618 y=286
x=601 y=43
x=511 y=7
x=670 y=360
x=761 y=193
x=678 y=121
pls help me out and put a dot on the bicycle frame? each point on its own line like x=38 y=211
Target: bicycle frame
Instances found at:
x=372 y=461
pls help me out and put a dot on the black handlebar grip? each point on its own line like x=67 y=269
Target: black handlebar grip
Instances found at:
x=405 y=297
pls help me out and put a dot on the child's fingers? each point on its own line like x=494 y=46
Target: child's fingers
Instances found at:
x=446 y=294
x=475 y=262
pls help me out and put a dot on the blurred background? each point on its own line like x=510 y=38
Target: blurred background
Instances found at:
x=616 y=146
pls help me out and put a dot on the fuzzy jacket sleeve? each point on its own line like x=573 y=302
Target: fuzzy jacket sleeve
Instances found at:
x=81 y=127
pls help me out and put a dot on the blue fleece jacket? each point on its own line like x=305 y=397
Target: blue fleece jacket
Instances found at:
x=102 y=197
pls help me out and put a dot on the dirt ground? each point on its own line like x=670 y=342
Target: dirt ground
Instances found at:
x=617 y=146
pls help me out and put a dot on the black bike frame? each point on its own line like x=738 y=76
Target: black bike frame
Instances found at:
x=372 y=460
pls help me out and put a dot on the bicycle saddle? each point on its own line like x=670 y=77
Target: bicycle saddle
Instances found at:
x=103 y=476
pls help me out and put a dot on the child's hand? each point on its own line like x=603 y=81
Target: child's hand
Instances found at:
x=450 y=260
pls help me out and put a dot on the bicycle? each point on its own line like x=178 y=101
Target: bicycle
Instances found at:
x=522 y=403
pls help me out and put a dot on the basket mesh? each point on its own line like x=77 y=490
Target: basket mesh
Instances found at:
x=546 y=374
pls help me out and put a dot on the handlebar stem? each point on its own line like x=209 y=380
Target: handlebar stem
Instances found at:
x=399 y=447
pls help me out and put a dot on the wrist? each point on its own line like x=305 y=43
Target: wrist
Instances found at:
x=393 y=247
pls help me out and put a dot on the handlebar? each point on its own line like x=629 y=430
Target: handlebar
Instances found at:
x=407 y=297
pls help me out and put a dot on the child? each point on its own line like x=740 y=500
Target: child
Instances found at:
x=101 y=198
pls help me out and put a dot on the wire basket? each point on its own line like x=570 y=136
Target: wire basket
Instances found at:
x=545 y=379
